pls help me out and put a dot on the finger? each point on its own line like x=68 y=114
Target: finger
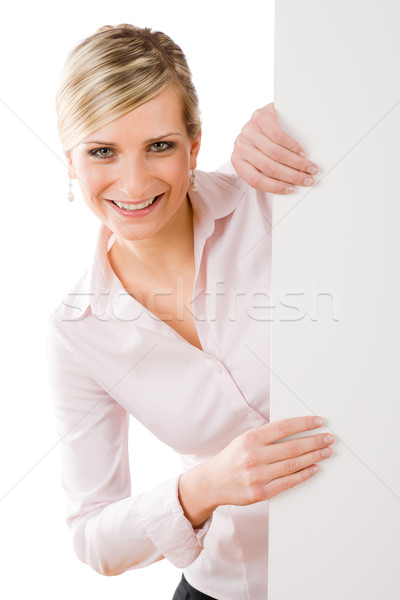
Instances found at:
x=273 y=165
x=277 y=430
x=266 y=120
x=297 y=447
x=293 y=465
x=273 y=488
x=258 y=180
x=274 y=151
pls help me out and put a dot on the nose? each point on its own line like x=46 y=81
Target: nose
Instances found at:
x=134 y=179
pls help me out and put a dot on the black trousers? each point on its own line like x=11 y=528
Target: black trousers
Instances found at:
x=185 y=591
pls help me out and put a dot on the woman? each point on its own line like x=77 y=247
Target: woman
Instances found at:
x=166 y=325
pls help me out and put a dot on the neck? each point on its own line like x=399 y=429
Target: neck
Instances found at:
x=160 y=257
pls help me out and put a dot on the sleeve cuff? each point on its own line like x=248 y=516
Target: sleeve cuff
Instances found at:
x=168 y=528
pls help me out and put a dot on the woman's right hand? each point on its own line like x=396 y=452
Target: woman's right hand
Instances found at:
x=255 y=466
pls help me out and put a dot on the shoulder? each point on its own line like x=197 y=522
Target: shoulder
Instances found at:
x=219 y=180
x=224 y=192
x=89 y=292
x=74 y=302
x=73 y=306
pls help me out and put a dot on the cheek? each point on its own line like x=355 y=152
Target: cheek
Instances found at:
x=179 y=171
x=91 y=181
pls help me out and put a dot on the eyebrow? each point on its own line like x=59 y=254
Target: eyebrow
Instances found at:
x=149 y=141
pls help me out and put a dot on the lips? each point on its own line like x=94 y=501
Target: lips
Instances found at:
x=134 y=205
x=134 y=211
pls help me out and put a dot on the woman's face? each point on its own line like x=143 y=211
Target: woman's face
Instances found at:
x=142 y=159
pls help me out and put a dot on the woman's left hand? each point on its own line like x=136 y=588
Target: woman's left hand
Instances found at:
x=269 y=159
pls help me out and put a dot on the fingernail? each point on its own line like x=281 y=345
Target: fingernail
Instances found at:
x=319 y=421
x=312 y=170
x=289 y=190
x=326 y=452
x=328 y=439
x=302 y=154
x=308 y=181
x=314 y=470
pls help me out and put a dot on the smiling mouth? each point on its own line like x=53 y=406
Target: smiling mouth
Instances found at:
x=137 y=206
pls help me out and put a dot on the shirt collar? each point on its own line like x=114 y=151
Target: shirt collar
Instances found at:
x=216 y=197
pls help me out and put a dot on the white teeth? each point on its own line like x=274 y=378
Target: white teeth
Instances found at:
x=135 y=206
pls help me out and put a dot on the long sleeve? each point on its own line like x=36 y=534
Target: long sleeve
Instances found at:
x=112 y=530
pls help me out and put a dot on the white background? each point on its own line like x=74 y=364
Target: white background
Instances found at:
x=46 y=241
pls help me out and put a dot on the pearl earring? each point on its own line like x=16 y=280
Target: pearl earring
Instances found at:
x=70 y=196
x=193 y=185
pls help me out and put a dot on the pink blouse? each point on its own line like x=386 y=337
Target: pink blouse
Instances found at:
x=109 y=358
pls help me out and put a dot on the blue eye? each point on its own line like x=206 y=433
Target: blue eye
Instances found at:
x=101 y=152
x=161 y=146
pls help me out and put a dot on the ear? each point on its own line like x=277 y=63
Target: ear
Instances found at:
x=71 y=172
x=194 y=150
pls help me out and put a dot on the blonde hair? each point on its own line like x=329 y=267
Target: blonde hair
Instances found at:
x=115 y=70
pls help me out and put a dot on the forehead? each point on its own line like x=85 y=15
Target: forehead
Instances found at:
x=160 y=115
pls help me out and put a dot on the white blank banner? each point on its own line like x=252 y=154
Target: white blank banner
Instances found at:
x=336 y=298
